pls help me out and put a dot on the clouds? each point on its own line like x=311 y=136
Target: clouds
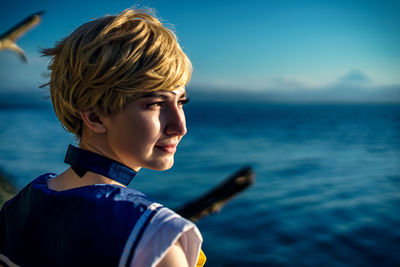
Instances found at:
x=357 y=86
x=354 y=77
x=353 y=86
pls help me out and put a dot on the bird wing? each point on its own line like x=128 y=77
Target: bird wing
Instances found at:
x=16 y=48
x=22 y=27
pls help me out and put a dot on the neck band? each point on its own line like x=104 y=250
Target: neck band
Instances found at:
x=82 y=161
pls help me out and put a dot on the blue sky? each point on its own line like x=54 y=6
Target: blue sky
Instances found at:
x=262 y=46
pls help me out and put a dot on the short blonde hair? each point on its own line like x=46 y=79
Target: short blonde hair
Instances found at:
x=108 y=62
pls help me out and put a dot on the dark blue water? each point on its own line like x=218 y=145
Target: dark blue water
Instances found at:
x=327 y=190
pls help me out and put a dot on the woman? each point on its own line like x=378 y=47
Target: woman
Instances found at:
x=117 y=83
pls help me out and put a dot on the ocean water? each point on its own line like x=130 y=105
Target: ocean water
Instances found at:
x=327 y=188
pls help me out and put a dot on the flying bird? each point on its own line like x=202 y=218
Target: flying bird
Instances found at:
x=7 y=40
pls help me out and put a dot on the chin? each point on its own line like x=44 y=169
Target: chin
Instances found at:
x=164 y=168
x=161 y=166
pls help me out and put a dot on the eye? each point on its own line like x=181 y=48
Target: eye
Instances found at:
x=155 y=104
x=184 y=101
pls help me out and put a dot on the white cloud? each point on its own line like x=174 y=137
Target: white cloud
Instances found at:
x=353 y=86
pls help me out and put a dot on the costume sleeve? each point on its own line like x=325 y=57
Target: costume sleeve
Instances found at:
x=165 y=228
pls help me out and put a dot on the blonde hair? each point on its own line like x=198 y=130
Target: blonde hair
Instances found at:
x=108 y=62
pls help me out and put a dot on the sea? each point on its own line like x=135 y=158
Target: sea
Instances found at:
x=327 y=186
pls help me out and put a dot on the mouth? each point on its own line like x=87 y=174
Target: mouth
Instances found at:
x=171 y=149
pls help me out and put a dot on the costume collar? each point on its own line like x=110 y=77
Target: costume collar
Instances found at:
x=82 y=161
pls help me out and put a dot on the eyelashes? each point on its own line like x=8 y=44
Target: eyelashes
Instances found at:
x=161 y=103
x=184 y=101
x=154 y=104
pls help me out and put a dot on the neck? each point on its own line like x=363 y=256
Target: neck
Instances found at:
x=97 y=143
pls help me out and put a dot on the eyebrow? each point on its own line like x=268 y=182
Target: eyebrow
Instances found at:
x=162 y=95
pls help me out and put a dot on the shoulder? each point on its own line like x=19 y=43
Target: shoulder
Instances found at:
x=165 y=230
x=26 y=192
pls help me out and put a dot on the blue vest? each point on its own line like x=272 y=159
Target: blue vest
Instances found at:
x=85 y=226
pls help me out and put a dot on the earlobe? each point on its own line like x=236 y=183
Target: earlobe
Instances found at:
x=92 y=121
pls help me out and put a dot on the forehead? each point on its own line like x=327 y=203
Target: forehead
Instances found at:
x=179 y=91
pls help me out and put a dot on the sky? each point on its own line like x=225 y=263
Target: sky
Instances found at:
x=298 y=50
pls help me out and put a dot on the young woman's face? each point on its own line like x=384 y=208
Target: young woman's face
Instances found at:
x=148 y=130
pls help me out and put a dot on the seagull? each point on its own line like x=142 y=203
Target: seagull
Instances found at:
x=7 y=39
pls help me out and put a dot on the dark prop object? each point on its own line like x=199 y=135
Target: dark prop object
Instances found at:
x=213 y=200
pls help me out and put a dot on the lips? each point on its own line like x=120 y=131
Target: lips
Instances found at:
x=167 y=148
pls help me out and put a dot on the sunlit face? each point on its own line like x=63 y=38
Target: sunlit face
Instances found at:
x=148 y=130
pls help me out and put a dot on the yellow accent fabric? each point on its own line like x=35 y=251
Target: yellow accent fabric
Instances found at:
x=201 y=260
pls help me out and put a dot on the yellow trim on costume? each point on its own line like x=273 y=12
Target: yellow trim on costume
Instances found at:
x=201 y=260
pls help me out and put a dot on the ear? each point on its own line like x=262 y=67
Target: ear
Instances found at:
x=93 y=121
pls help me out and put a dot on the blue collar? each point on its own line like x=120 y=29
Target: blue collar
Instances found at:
x=82 y=161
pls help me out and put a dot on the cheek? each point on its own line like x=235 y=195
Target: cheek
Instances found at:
x=143 y=131
x=134 y=133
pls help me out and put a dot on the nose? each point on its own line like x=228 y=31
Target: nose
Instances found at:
x=175 y=122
